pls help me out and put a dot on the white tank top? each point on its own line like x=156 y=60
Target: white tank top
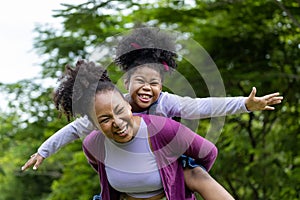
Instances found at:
x=131 y=167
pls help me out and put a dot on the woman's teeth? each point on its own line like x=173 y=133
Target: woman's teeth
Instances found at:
x=121 y=131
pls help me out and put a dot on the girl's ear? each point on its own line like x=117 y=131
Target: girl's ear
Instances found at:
x=126 y=83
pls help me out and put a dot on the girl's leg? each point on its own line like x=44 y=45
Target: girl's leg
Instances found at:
x=198 y=180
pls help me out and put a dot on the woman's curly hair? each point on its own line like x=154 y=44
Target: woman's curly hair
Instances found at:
x=77 y=87
x=144 y=46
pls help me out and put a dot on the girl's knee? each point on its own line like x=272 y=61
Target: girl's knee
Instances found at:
x=195 y=178
x=199 y=173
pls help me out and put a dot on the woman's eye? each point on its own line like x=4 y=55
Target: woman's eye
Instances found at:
x=104 y=120
x=120 y=111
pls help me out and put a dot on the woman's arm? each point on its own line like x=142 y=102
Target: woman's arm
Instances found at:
x=170 y=139
x=202 y=150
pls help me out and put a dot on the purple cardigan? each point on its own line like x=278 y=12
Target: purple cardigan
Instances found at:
x=168 y=139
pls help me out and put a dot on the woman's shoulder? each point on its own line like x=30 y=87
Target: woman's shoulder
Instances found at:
x=153 y=117
x=158 y=122
x=93 y=137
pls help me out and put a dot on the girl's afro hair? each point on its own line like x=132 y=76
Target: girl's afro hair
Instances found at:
x=146 y=45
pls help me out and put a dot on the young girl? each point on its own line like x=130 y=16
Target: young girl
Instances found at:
x=145 y=68
x=135 y=156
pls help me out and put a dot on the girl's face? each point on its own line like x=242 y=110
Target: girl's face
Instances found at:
x=144 y=87
x=114 y=116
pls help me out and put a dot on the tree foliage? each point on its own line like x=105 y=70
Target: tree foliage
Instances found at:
x=253 y=43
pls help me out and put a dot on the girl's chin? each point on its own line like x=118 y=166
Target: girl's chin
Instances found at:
x=143 y=105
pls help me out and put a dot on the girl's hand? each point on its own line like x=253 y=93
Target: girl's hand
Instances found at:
x=35 y=159
x=254 y=103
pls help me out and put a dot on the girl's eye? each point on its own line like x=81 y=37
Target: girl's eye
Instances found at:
x=154 y=83
x=139 y=81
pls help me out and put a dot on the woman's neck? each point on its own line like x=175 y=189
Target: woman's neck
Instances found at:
x=136 y=124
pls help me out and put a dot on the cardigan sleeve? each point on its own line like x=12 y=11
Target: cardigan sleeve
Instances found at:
x=172 y=139
x=90 y=149
x=202 y=150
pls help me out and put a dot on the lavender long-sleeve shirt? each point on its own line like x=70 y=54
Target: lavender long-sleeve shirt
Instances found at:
x=168 y=105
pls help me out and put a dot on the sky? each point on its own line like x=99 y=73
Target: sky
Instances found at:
x=17 y=21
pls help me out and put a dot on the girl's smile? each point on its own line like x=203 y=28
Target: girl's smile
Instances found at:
x=144 y=86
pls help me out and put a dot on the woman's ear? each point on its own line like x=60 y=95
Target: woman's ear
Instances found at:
x=129 y=106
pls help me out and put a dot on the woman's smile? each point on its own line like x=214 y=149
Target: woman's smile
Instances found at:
x=123 y=132
x=114 y=116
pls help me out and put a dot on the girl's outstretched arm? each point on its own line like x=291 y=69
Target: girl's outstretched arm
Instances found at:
x=74 y=130
x=254 y=103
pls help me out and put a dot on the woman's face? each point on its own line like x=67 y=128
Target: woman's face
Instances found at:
x=114 y=116
x=144 y=87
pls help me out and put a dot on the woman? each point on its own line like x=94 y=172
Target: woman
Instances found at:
x=136 y=156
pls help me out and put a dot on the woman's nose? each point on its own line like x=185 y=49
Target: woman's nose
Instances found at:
x=117 y=122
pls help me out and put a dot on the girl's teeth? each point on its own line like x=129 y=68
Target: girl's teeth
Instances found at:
x=145 y=96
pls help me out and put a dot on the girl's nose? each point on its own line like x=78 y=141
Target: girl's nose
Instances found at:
x=146 y=86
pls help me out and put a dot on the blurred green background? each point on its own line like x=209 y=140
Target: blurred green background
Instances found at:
x=253 y=43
